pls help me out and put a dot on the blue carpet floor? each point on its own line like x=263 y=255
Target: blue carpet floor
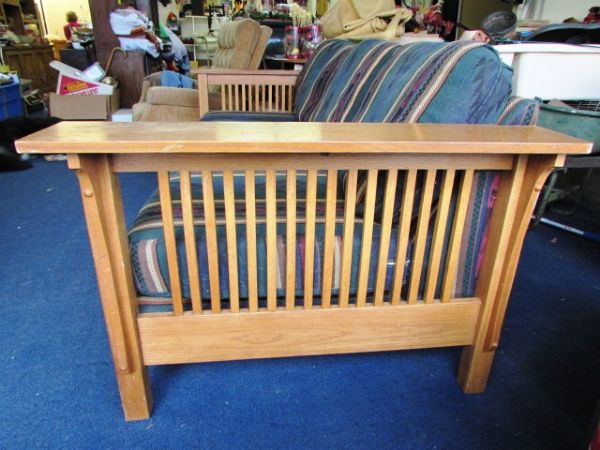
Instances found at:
x=57 y=387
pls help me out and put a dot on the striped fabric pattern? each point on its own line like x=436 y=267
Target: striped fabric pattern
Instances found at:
x=378 y=81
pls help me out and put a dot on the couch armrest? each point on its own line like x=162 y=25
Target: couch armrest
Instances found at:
x=172 y=96
x=247 y=90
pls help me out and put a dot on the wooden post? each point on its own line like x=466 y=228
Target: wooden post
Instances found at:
x=518 y=192
x=103 y=208
x=129 y=71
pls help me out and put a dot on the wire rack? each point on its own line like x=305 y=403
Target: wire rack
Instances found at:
x=586 y=105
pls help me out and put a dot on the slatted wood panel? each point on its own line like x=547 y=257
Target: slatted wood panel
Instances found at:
x=434 y=235
x=255 y=91
x=252 y=98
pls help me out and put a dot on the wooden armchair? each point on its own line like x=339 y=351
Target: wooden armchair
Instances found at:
x=246 y=90
x=241 y=46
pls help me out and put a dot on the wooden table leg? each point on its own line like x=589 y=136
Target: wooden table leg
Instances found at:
x=511 y=215
x=103 y=209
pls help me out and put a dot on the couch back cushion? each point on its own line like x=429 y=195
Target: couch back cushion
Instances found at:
x=379 y=81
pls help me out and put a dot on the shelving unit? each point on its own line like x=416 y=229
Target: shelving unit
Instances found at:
x=30 y=61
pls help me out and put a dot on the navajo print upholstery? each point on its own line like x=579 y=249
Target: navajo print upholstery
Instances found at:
x=377 y=81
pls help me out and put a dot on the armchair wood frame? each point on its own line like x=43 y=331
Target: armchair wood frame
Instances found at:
x=247 y=90
x=97 y=152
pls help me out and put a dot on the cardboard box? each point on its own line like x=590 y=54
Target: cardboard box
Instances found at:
x=84 y=107
x=73 y=82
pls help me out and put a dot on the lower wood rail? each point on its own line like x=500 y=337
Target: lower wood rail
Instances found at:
x=244 y=335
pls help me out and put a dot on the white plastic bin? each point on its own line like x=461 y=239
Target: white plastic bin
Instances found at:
x=561 y=71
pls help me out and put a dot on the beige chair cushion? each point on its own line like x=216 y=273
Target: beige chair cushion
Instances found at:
x=173 y=96
x=167 y=113
x=261 y=45
x=237 y=41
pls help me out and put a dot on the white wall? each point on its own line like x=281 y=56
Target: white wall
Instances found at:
x=558 y=10
x=164 y=12
x=55 y=10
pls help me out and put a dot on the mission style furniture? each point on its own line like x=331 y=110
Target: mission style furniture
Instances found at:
x=270 y=239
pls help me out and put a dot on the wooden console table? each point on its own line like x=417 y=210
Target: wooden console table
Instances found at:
x=340 y=322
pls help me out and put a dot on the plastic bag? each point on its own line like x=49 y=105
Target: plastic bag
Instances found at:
x=123 y=21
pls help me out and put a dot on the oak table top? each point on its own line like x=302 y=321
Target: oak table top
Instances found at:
x=296 y=137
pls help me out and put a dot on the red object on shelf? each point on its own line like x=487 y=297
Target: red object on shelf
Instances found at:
x=311 y=38
x=292 y=42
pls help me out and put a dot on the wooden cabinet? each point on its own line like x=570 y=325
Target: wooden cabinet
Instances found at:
x=32 y=62
x=18 y=13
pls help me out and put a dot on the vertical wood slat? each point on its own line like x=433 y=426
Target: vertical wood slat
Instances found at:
x=230 y=228
x=166 y=208
x=263 y=98
x=230 y=97
x=256 y=99
x=272 y=260
x=456 y=236
x=290 y=258
x=190 y=240
x=384 y=237
x=439 y=234
x=421 y=237
x=211 y=240
x=250 y=99
x=348 y=238
x=367 y=238
x=236 y=96
x=309 y=238
x=290 y=98
x=408 y=199
x=251 y=241
x=243 y=87
x=277 y=89
x=329 y=246
x=223 y=98
x=270 y=96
